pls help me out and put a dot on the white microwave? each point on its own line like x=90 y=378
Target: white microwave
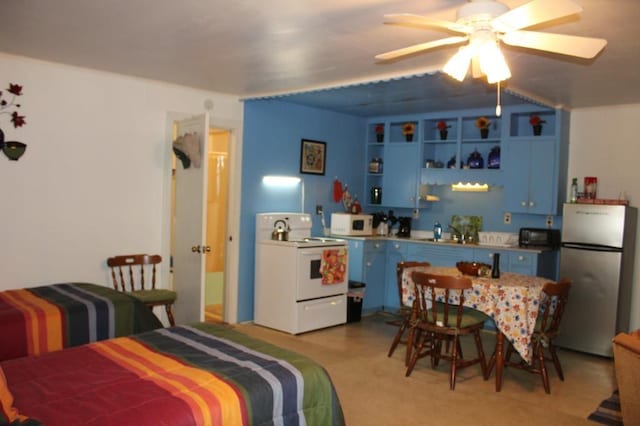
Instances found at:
x=351 y=224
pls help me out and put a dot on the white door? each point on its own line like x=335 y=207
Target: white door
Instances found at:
x=190 y=227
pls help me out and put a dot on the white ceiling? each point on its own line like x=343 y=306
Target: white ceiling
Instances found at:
x=256 y=48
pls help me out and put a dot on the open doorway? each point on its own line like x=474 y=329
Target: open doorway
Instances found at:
x=217 y=191
x=214 y=227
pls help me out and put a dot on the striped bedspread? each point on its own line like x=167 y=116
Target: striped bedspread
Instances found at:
x=49 y=318
x=203 y=374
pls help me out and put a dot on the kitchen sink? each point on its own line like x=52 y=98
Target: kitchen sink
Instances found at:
x=431 y=240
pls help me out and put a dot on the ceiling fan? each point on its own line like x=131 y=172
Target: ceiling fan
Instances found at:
x=486 y=23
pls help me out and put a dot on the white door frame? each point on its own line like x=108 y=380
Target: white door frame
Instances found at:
x=233 y=206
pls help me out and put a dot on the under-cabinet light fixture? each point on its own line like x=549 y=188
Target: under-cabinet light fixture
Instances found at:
x=286 y=182
x=470 y=187
x=282 y=181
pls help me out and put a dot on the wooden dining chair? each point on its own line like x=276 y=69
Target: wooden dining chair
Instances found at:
x=136 y=274
x=437 y=322
x=404 y=312
x=550 y=311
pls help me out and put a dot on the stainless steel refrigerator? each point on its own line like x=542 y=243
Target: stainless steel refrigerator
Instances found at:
x=597 y=255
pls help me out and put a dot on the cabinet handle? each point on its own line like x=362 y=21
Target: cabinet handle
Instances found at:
x=368 y=264
x=531 y=203
x=376 y=245
x=397 y=246
x=520 y=258
x=523 y=203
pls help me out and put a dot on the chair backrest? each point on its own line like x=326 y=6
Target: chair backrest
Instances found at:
x=400 y=267
x=450 y=290
x=134 y=271
x=552 y=305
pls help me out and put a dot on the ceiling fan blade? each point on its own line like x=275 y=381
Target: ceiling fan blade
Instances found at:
x=534 y=12
x=583 y=47
x=425 y=21
x=419 y=48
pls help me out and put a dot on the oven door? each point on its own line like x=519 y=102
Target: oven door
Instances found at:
x=321 y=271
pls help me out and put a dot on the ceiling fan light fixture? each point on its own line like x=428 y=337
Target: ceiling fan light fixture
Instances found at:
x=458 y=65
x=493 y=64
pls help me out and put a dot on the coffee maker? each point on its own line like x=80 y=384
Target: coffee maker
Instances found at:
x=405 y=227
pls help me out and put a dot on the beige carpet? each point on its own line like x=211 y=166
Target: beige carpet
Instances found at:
x=374 y=391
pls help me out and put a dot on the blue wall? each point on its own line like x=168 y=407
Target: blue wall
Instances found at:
x=271 y=146
x=272 y=134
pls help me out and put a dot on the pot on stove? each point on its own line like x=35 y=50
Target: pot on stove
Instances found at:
x=280 y=231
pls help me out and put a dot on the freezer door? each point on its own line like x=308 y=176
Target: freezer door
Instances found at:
x=593 y=224
x=589 y=321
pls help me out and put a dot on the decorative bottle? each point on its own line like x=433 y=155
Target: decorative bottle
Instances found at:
x=495 y=270
x=574 y=190
x=437 y=231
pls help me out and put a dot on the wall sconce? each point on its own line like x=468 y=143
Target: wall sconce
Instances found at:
x=286 y=182
x=12 y=149
x=469 y=187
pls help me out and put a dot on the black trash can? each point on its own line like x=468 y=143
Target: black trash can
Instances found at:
x=355 y=295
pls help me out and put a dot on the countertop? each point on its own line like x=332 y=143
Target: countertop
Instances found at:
x=421 y=240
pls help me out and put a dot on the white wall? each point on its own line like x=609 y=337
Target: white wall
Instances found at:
x=93 y=181
x=604 y=143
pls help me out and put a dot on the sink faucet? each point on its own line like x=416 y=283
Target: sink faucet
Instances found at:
x=458 y=235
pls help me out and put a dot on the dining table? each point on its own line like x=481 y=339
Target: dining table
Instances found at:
x=511 y=301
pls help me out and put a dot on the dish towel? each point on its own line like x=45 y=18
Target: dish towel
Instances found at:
x=333 y=266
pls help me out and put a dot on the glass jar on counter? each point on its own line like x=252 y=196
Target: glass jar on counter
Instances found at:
x=375 y=165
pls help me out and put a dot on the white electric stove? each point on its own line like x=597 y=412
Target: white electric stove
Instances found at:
x=300 y=284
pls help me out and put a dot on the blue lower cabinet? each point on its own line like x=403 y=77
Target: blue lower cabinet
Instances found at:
x=485 y=255
x=373 y=273
x=396 y=252
x=440 y=255
x=356 y=259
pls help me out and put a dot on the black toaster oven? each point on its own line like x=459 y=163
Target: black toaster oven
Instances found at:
x=539 y=237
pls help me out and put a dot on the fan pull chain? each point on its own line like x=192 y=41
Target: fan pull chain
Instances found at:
x=498 y=107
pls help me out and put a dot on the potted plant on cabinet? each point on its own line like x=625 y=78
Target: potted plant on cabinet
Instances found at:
x=407 y=131
x=536 y=124
x=442 y=126
x=482 y=123
x=380 y=132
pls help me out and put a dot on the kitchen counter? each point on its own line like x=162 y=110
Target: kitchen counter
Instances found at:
x=373 y=260
x=446 y=243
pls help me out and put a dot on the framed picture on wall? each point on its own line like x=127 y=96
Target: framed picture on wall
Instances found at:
x=313 y=155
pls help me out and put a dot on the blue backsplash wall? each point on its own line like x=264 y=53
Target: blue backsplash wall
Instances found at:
x=485 y=204
x=271 y=146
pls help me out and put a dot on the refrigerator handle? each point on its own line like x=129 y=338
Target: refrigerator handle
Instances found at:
x=591 y=247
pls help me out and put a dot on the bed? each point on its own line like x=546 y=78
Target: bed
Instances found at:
x=52 y=317
x=186 y=375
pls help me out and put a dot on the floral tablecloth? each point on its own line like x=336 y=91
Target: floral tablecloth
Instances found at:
x=512 y=301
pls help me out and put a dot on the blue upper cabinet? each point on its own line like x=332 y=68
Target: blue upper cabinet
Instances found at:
x=528 y=160
x=535 y=161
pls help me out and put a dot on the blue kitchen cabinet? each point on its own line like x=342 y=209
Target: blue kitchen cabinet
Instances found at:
x=373 y=274
x=541 y=264
x=531 y=180
x=400 y=178
x=535 y=166
x=396 y=252
x=485 y=255
x=440 y=255
x=356 y=259
x=366 y=265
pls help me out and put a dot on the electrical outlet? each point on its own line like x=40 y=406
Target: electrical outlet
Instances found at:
x=549 y=221
x=416 y=214
x=507 y=218
x=318 y=209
